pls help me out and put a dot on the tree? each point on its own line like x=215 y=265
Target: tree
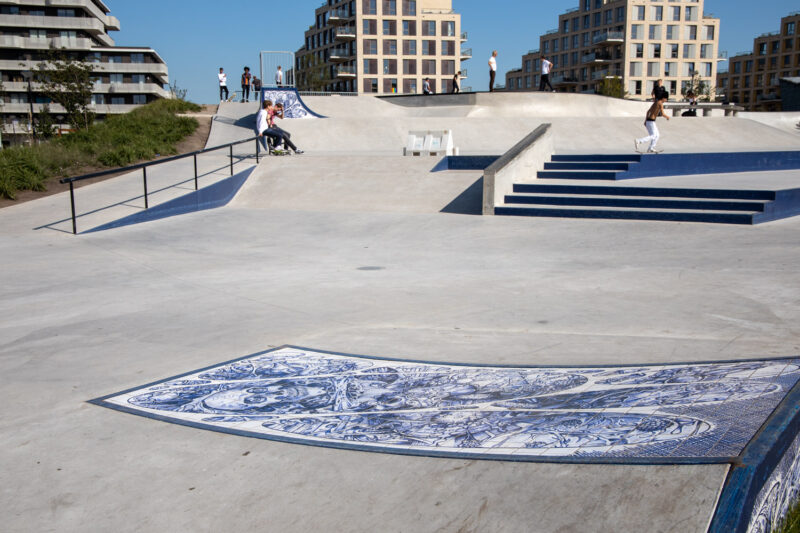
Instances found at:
x=612 y=86
x=45 y=125
x=68 y=81
x=311 y=76
x=177 y=92
x=697 y=85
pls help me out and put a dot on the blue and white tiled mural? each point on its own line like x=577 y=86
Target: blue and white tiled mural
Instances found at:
x=664 y=413
x=293 y=106
x=779 y=492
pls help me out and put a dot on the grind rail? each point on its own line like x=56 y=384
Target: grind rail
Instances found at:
x=144 y=167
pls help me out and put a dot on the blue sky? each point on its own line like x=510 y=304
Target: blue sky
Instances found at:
x=196 y=37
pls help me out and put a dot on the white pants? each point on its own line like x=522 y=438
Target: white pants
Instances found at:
x=652 y=129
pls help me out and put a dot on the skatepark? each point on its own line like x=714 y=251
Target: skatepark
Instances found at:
x=353 y=248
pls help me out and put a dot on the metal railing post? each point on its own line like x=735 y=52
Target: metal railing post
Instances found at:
x=195 y=171
x=256 y=150
x=72 y=203
x=231 y=150
x=144 y=175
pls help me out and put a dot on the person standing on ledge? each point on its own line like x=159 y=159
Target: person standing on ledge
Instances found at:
x=492 y=70
x=545 y=80
x=656 y=110
x=426 y=86
x=246 y=81
x=279 y=77
x=456 y=78
x=223 y=84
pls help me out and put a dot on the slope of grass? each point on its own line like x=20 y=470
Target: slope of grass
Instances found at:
x=121 y=140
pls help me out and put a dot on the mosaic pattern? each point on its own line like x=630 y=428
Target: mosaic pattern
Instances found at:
x=779 y=492
x=652 y=413
x=293 y=106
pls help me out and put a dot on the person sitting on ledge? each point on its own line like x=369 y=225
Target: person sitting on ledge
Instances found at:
x=277 y=111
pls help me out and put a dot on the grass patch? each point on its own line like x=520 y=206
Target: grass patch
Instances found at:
x=790 y=522
x=150 y=130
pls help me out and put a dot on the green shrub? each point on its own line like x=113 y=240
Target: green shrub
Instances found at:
x=790 y=522
x=141 y=135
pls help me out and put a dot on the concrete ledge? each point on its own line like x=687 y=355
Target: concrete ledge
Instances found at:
x=517 y=165
x=425 y=100
x=711 y=163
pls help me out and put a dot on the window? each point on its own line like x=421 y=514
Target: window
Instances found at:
x=9 y=10
x=587 y=22
x=390 y=47
x=428 y=27
x=676 y=13
x=637 y=50
x=409 y=47
x=38 y=34
x=776 y=47
x=655 y=51
x=409 y=86
x=638 y=12
x=117 y=100
x=115 y=78
x=68 y=34
x=657 y=13
x=139 y=99
x=66 y=12
x=708 y=33
x=673 y=51
x=689 y=51
x=390 y=7
x=370 y=27
x=390 y=85
x=409 y=27
x=409 y=66
x=706 y=50
x=637 y=31
x=691 y=13
x=691 y=33
x=370 y=66
x=670 y=69
x=370 y=85
x=429 y=48
x=137 y=78
x=620 y=14
x=653 y=69
x=636 y=87
x=369 y=7
x=98 y=99
x=448 y=67
x=428 y=67
x=789 y=28
x=137 y=58
x=390 y=27
x=448 y=48
x=390 y=66
x=409 y=7
x=93 y=57
x=672 y=32
x=448 y=29
x=655 y=32
x=370 y=46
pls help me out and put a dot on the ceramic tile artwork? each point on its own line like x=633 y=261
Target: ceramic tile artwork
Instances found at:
x=665 y=412
x=293 y=106
x=779 y=492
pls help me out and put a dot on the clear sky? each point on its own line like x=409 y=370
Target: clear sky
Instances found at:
x=196 y=37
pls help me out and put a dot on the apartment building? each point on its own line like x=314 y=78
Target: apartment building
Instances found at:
x=125 y=77
x=753 y=77
x=637 y=41
x=382 y=47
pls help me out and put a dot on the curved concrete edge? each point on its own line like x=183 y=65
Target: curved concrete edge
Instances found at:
x=760 y=459
x=211 y=197
x=518 y=164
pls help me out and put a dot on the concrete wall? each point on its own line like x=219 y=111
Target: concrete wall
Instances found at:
x=517 y=165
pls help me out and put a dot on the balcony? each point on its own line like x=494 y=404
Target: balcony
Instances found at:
x=339 y=16
x=563 y=79
x=156 y=69
x=464 y=37
x=607 y=73
x=92 y=26
x=771 y=97
x=345 y=33
x=44 y=43
x=466 y=53
x=340 y=54
x=344 y=72
x=130 y=88
x=609 y=38
x=597 y=57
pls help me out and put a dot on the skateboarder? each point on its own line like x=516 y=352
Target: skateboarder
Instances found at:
x=656 y=110
x=277 y=111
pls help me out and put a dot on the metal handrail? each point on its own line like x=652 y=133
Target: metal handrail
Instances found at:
x=144 y=167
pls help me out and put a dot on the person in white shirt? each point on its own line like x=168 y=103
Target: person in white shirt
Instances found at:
x=426 y=86
x=279 y=77
x=492 y=70
x=546 y=66
x=223 y=84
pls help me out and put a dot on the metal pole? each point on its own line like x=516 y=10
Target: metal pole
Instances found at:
x=231 y=150
x=195 y=171
x=30 y=101
x=256 y=150
x=72 y=203
x=144 y=174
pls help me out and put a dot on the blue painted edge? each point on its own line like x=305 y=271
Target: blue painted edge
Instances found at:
x=101 y=401
x=466 y=162
x=656 y=165
x=211 y=197
x=265 y=90
x=751 y=470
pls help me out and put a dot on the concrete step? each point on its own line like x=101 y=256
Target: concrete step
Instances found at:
x=593 y=165
x=718 y=217
x=583 y=158
x=659 y=192
x=647 y=203
x=576 y=175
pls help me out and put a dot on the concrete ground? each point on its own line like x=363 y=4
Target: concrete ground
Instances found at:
x=99 y=313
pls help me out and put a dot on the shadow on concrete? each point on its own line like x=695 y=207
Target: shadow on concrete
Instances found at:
x=247 y=121
x=469 y=202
